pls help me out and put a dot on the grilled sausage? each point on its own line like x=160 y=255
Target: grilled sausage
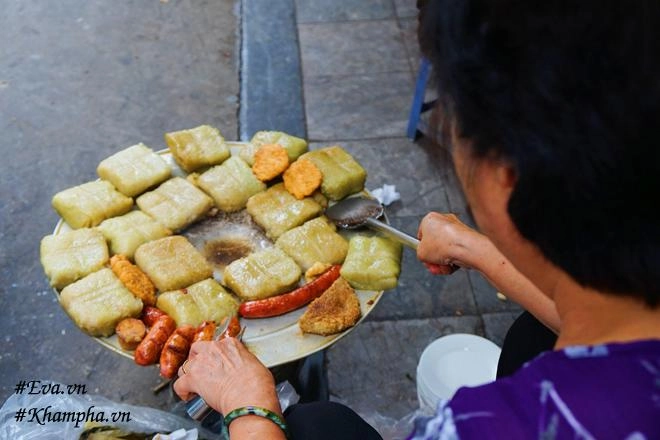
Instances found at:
x=278 y=305
x=149 y=349
x=150 y=315
x=233 y=329
x=204 y=332
x=176 y=350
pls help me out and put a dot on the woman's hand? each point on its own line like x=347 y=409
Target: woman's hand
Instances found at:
x=227 y=376
x=446 y=242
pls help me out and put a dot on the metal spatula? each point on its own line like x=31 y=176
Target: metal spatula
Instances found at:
x=356 y=212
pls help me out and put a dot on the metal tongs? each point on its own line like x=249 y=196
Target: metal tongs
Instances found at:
x=196 y=407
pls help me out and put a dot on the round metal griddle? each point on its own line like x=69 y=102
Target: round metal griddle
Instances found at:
x=275 y=341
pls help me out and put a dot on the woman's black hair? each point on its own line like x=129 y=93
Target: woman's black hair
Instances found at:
x=568 y=92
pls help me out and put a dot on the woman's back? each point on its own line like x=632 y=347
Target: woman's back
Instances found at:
x=580 y=392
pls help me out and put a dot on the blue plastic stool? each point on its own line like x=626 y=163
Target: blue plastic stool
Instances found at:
x=418 y=105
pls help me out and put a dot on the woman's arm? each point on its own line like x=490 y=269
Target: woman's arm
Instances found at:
x=499 y=271
x=445 y=240
x=227 y=376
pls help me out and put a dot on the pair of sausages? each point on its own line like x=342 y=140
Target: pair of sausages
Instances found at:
x=161 y=328
x=170 y=345
x=175 y=351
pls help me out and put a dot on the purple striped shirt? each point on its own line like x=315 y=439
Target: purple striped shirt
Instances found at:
x=583 y=392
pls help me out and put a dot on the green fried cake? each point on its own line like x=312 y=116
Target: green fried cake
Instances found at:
x=372 y=263
x=315 y=241
x=342 y=175
x=277 y=211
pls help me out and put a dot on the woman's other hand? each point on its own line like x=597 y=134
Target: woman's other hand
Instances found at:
x=447 y=243
x=227 y=376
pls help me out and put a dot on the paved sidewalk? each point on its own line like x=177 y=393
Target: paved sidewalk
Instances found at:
x=79 y=80
x=84 y=78
x=359 y=63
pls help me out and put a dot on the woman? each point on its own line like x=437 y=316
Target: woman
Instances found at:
x=551 y=109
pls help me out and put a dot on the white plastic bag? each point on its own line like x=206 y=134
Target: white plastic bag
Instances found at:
x=287 y=395
x=389 y=427
x=393 y=429
x=58 y=415
x=386 y=194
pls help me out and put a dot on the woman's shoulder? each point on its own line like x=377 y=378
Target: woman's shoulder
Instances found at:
x=586 y=391
x=624 y=351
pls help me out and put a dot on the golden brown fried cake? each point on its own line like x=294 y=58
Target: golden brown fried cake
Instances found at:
x=198 y=147
x=89 y=204
x=98 y=302
x=130 y=332
x=134 y=170
x=172 y=263
x=277 y=211
x=315 y=241
x=134 y=279
x=127 y=232
x=269 y=162
x=71 y=255
x=302 y=178
x=334 y=311
x=317 y=269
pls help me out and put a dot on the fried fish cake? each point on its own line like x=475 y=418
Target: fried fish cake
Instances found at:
x=294 y=146
x=134 y=279
x=130 y=332
x=269 y=162
x=334 y=311
x=302 y=178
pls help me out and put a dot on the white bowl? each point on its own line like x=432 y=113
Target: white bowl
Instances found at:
x=454 y=361
x=426 y=402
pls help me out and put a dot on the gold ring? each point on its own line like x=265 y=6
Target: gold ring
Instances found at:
x=183 y=367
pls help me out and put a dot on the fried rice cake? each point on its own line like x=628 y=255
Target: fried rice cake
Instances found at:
x=334 y=311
